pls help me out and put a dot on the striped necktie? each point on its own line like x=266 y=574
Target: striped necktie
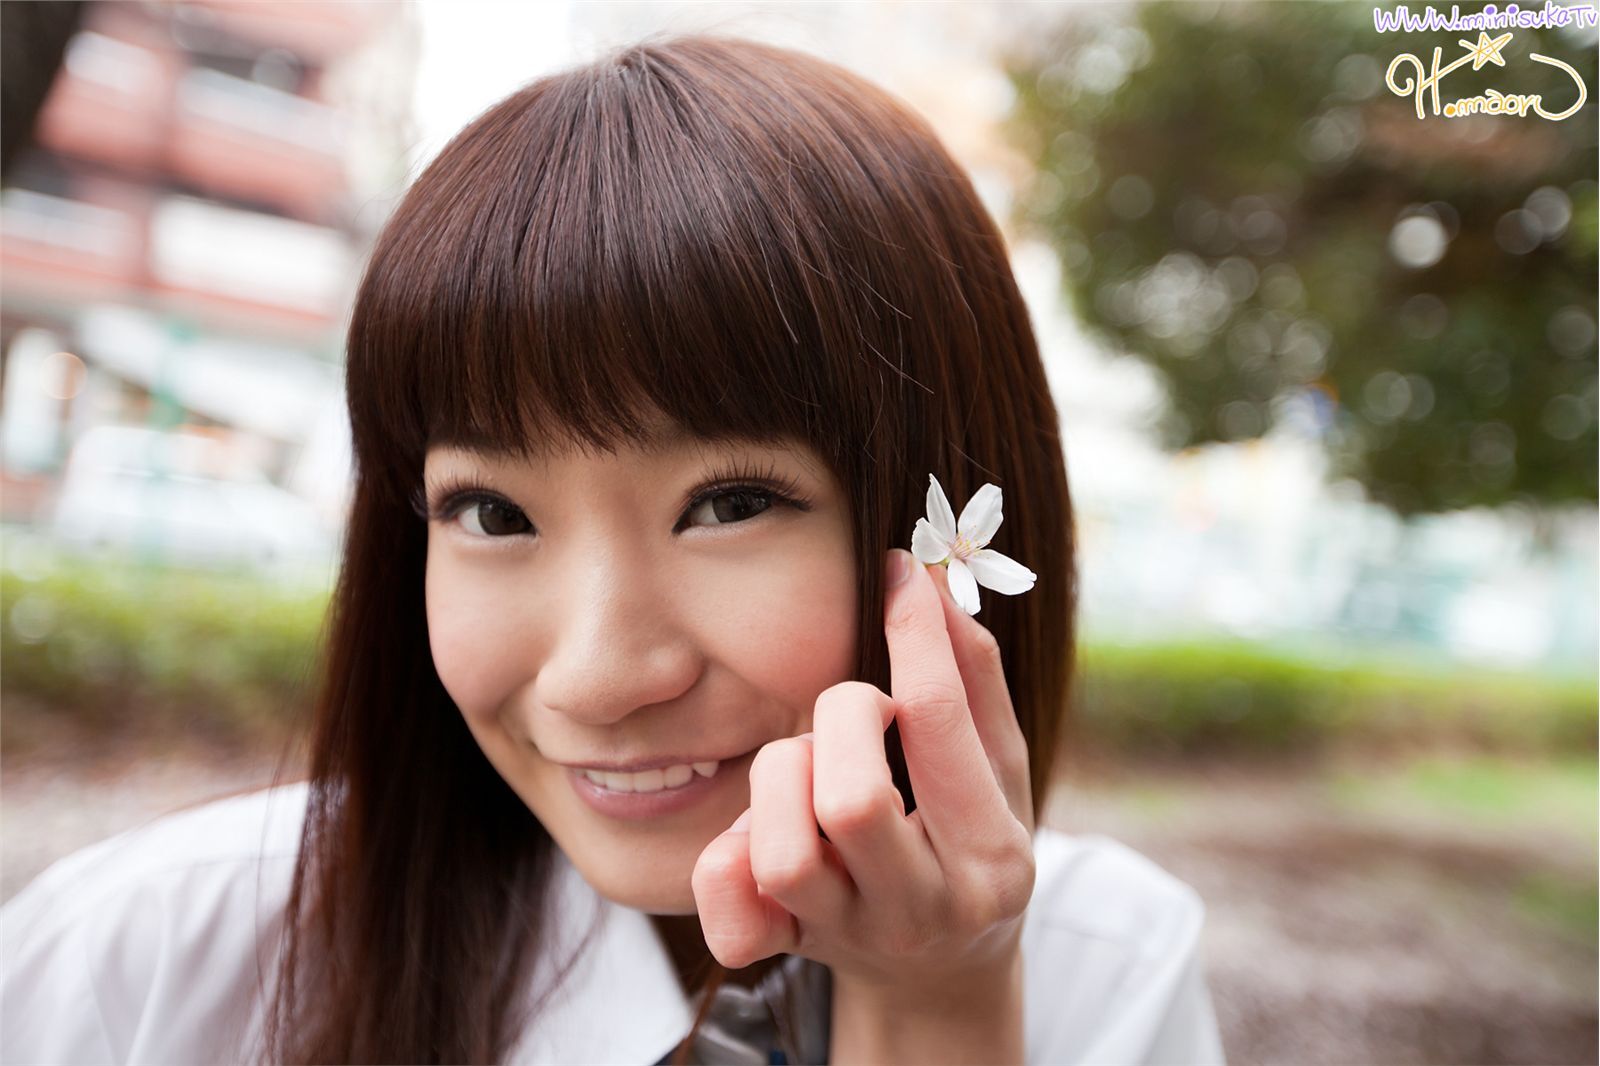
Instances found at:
x=783 y=1020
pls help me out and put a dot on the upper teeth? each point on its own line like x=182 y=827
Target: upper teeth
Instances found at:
x=652 y=780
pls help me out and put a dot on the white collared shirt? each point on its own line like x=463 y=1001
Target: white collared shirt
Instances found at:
x=159 y=945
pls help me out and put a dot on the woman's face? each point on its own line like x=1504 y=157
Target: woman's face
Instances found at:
x=592 y=610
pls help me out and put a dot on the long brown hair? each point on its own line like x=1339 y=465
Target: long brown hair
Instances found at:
x=750 y=239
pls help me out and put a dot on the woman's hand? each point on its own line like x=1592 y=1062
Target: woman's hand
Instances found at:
x=918 y=908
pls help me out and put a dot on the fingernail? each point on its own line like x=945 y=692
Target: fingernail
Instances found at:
x=811 y=737
x=899 y=566
x=741 y=824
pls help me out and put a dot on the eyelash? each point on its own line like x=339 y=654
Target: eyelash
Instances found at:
x=455 y=494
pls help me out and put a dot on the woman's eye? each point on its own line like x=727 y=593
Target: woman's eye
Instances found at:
x=733 y=506
x=493 y=518
x=488 y=516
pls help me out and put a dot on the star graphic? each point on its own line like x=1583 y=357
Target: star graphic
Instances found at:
x=1486 y=50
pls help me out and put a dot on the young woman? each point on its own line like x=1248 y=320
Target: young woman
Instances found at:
x=647 y=378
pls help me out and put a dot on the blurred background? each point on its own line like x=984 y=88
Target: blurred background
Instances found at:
x=1327 y=376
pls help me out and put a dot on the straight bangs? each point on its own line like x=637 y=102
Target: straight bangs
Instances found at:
x=618 y=241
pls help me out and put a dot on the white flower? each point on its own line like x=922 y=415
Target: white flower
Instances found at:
x=968 y=564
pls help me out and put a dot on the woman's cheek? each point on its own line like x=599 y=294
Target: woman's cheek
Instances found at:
x=465 y=652
x=793 y=624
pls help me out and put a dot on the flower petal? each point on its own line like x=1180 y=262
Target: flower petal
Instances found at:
x=940 y=515
x=963 y=589
x=927 y=545
x=1001 y=573
x=981 y=516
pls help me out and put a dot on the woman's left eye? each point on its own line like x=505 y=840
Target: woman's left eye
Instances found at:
x=731 y=506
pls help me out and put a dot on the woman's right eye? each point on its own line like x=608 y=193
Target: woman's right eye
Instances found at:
x=484 y=516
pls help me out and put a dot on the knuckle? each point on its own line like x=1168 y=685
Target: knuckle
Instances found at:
x=777 y=753
x=786 y=874
x=987 y=647
x=847 y=694
x=716 y=866
x=1015 y=890
x=939 y=720
x=1012 y=763
x=732 y=949
x=848 y=706
x=934 y=696
x=901 y=613
x=1002 y=889
x=854 y=814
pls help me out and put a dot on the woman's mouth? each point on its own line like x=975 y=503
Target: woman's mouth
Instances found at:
x=653 y=793
x=660 y=780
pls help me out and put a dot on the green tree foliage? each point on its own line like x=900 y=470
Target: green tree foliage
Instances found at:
x=1239 y=201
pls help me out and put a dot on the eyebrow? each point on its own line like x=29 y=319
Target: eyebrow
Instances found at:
x=657 y=442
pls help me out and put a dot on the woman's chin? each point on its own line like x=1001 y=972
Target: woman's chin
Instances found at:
x=638 y=883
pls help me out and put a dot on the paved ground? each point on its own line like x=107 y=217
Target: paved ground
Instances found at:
x=1340 y=929
x=1347 y=927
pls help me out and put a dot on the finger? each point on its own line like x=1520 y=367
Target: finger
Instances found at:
x=957 y=794
x=741 y=926
x=857 y=803
x=790 y=860
x=993 y=713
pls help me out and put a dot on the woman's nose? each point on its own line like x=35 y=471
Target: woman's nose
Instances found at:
x=617 y=645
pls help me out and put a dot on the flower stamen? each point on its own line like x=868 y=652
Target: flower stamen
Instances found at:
x=962 y=547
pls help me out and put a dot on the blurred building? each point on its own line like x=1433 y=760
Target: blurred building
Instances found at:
x=180 y=243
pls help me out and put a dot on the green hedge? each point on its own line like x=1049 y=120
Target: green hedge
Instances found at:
x=1232 y=695
x=135 y=647
x=112 y=645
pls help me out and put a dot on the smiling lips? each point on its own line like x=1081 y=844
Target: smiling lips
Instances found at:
x=657 y=780
x=658 y=792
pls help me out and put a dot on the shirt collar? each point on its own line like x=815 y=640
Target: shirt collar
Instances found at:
x=621 y=1000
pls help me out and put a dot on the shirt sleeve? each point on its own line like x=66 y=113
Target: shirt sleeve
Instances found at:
x=129 y=952
x=1164 y=1015
x=1187 y=1032
x=1112 y=948
x=48 y=1008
